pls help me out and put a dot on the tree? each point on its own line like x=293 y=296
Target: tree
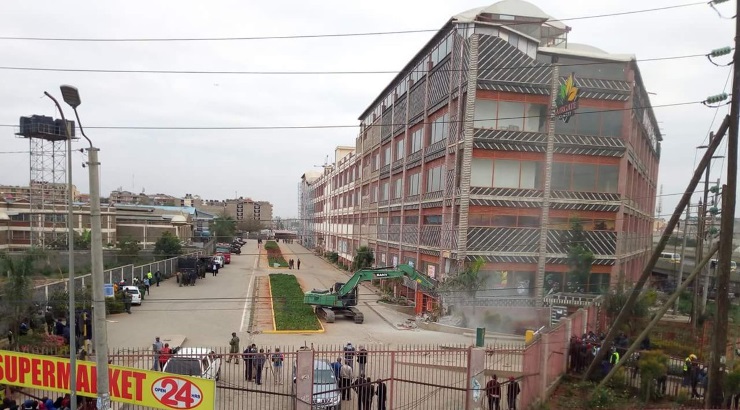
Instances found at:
x=128 y=249
x=168 y=245
x=17 y=292
x=468 y=281
x=364 y=258
x=83 y=240
x=249 y=225
x=224 y=226
x=580 y=259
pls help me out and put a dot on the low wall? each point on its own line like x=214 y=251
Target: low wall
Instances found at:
x=438 y=327
x=406 y=310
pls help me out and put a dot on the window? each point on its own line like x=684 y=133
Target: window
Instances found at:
x=439 y=128
x=485 y=114
x=411 y=219
x=376 y=162
x=432 y=219
x=530 y=175
x=508 y=221
x=416 y=140
x=481 y=173
x=611 y=123
x=384 y=191
x=608 y=178
x=479 y=220
x=506 y=173
x=374 y=194
x=395 y=220
x=414 y=183
x=400 y=146
x=584 y=177
x=536 y=118
x=560 y=176
x=397 y=184
x=589 y=122
x=434 y=179
x=510 y=115
x=529 y=221
x=387 y=155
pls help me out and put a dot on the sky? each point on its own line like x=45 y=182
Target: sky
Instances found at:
x=267 y=164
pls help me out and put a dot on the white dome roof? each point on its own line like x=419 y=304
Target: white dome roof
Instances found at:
x=512 y=8
x=179 y=220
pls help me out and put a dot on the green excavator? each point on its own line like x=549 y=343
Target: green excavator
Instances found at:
x=342 y=298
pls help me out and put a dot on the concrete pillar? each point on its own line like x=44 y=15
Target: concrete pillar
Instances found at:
x=544 y=353
x=476 y=379
x=304 y=380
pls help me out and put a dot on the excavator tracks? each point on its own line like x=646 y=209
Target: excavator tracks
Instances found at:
x=357 y=315
x=326 y=314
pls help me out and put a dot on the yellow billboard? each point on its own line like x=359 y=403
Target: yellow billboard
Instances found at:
x=127 y=384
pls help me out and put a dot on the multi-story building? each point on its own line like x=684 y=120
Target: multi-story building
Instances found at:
x=241 y=209
x=49 y=191
x=491 y=143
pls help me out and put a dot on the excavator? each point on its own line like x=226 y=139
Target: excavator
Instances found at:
x=341 y=300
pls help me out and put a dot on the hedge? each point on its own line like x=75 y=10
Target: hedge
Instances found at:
x=287 y=304
x=274 y=255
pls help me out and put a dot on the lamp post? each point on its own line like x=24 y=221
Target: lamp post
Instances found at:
x=71 y=261
x=100 y=332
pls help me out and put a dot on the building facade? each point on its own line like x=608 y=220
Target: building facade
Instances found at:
x=497 y=141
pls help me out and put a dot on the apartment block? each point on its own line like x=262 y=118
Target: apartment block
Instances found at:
x=491 y=143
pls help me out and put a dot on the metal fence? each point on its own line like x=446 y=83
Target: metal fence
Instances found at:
x=414 y=377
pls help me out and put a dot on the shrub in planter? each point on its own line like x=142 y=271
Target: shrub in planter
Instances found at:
x=115 y=304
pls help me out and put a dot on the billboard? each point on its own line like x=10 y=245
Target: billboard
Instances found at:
x=127 y=384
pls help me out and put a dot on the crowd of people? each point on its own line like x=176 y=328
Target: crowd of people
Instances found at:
x=362 y=385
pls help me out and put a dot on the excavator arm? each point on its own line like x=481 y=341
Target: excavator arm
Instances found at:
x=368 y=274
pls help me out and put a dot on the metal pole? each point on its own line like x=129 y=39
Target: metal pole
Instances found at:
x=708 y=272
x=679 y=279
x=659 y=247
x=100 y=327
x=71 y=260
x=727 y=228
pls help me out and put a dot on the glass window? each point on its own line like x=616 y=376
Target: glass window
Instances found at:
x=414 y=183
x=611 y=123
x=395 y=220
x=400 y=146
x=397 y=188
x=481 y=173
x=510 y=115
x=536 y=118
x=559 y=223
x=561 y=176
x=416 y=140
x=529 y=221
x=505 y=173
x=566 y=127
x=434 y=179
x=384 y=191
x=479 y=220
x=531 y=177
x=604 y=225
x=589 y=122
x=438 y=129
x=485 y=113
x=608 y=178
x=433 y=220
x=503 y=220
x=411 y=219
x=376 y=162
x=387 y=155
x=584 y=177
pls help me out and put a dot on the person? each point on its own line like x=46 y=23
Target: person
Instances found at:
x=349 y=353
x=345 y=380
x=157 y=349
x=382 y=392
x=687 y=364
x=249 y=355
x=127 y=302
x=277 y=365
x=369 y=393
x=298 y=264
x=150 y=276
x=362 y=359
x=158 y=277
x=259 y=364
x=233 y=348
x=214 y=268
x=512 y=391
x=164 y=355
x=146 y=285
x=337 y=367
x=10 y=336
x=361 y=389
x=493 y=393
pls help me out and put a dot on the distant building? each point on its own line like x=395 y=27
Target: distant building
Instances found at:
x=241 y=209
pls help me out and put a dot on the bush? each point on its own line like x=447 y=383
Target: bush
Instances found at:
x=271 y=245
x=287 y=304
x=673 y=348
x=274 y=255
x=333 y=257
x=115 y=304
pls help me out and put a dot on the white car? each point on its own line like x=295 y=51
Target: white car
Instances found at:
x=220 y=260
x=195 y=361
x=135 y=294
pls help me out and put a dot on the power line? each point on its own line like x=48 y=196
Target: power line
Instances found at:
x=226 y=72
x=330 y=35
x=328 y=126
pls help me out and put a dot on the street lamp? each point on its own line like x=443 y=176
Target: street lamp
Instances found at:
x=100 y=332
x=71 y=321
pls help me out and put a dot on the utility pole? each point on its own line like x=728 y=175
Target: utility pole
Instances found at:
x=708 y=271
x=679 y=278
x=659 y=247
x=727 y=227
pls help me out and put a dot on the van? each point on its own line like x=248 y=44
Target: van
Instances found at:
x=670 y=257
x=713 y=265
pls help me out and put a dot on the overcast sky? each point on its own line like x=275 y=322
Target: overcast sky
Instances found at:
x=267 y=164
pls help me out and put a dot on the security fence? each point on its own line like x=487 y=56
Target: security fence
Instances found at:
x=409 y=377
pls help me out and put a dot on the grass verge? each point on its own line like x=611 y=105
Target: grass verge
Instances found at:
x=287 y=304
x=274 y=255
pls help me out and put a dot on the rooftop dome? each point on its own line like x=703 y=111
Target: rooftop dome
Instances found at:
x=179 y=220
x=512 y=8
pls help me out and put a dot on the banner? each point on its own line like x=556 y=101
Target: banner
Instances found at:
x=127 y=384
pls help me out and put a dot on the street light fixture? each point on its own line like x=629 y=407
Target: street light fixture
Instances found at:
x=100 y=328
x=71 y=321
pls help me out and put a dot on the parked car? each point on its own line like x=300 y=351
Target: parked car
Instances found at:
x=219 y=258
x=325 y=388
x=225 y=250
x=135 y=294
x=195 y=361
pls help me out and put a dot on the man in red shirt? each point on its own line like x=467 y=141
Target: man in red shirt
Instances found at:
x=493 y=393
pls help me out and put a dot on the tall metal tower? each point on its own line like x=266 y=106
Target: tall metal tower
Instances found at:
x=48 y=171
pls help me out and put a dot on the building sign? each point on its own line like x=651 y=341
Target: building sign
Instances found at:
x=566 y=102
x=431 y=270
x=145 y=388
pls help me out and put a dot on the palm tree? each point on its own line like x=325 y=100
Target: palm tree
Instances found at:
x=224 y=226
x=17 y=293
